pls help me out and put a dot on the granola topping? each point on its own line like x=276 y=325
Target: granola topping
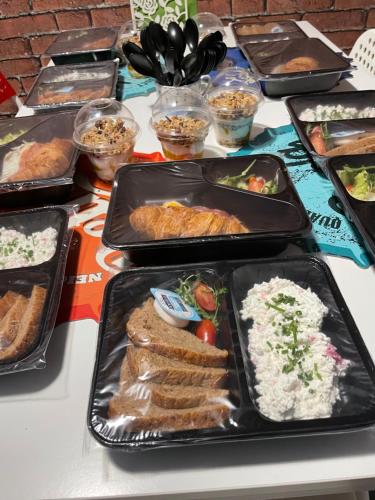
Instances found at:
x=181 y=125
x=234 y=100
x=109 y=132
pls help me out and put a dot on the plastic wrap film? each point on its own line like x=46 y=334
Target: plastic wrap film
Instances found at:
x=33 y=250
x=156 y=385
x=37 y=154
x=334 y=124
x=357 y=194
x=298 y=66
x=253 y=32
x=81 y=41
x=72 y=85
x=182 y=208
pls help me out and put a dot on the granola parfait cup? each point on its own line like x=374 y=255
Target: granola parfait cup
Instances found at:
x=233 y=101
x=106 y=131
x=181 y=122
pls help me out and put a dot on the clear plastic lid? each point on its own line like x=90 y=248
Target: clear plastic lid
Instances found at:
x=235 y=89
x=128 y=33
x=104 y=125
x=180 y=112
x=208 y=22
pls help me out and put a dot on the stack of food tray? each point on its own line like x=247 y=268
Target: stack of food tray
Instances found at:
x=338 y=131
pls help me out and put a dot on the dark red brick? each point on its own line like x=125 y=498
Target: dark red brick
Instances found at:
x=344 y=39
x=14 y=48
x=50 y=5
x=371 y=19
x=297 y=5
x=18 y=26
x=10 y=8
x=353 y=4
x=72 y=20
x=20 y=67
x=110 y=17
x=222 y=8
x=334 y=20
x=246 y=7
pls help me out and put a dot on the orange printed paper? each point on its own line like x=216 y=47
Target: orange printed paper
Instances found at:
x=90 y=264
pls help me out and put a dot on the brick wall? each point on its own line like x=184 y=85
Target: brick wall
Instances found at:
x=27 y=27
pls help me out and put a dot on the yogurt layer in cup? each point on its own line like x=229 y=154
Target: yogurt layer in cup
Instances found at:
x=181 y=122
x=233 y=101
x=106 y=131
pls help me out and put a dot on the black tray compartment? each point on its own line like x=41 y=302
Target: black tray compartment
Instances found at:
x=128 y=290
x=273 y=219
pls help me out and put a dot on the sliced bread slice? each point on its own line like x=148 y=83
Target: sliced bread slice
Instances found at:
x=10 y=324
x=28 y=326
x=150 y=417
x=148 y=366
x=168 y=396
x=6 y=302
x=146 y=329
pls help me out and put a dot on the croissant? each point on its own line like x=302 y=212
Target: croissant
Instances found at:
x=42 y=160
x=160 y=223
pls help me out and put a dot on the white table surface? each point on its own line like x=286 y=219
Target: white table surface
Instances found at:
x=47 y=452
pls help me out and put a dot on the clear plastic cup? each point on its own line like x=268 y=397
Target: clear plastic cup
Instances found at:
x=233 y=101
x=207 y=23
x=181 y=122
x=106 y=131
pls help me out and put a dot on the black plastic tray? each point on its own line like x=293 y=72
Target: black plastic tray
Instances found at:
x=274 y=219
x=296 y=104
x=128 y=290
x=42 y=129
x=290 y=30
x=80 y=46
x=264 y=57
x=47 y=75
x=361 y=213
x=50 y=274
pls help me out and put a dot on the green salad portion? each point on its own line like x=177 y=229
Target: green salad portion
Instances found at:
x=359 y=182
x=245 y=180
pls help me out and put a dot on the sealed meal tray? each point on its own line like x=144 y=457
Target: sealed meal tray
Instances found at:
x=190 y=355
x=254 y=32
x=83 y=45
x=72 y=85
x=299 y=66
x=33 y=250
x=184 y=211
x=37 y=159
x=354 y=179
x=336 y=124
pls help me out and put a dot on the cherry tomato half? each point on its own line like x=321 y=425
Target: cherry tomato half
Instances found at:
x=349 y=187
x=255 y=184
x=206 y=331
x=205 y=297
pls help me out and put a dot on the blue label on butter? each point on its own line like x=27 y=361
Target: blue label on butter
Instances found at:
x=172 y=304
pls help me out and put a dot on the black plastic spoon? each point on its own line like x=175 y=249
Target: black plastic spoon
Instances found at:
x=132 y=48
x=191 y=33
x=158 y=36
x=142 y=64
x=177 y=38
